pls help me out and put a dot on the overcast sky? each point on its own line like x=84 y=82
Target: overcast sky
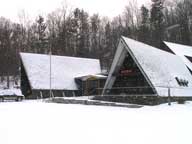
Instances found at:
x=110 y=8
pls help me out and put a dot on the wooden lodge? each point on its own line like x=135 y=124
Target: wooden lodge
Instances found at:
x=37 y=78
x=140 y=69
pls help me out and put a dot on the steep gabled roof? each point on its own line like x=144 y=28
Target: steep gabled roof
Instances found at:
x=64 y=70
x=182 y=51
x=160 y=68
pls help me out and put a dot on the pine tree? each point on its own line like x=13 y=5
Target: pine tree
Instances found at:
x=157 y=22
x=184 y=13
x=41 y=41
x=83 y=38
x=94 y=38
x=144 y=28
x=108 y=46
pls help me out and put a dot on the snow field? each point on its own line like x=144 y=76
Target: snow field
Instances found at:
x=36 y=122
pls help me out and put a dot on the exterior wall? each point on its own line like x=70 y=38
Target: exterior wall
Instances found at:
x=90 y=87
x=55 y=93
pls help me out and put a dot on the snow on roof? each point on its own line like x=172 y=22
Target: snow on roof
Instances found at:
x=10 y=92
x=159 y=67
x=93 y=76
x=181 y=51
x=64 y=70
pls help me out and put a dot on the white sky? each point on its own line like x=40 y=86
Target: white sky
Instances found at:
x=110 y=8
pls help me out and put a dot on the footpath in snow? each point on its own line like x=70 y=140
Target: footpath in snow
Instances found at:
x=89 y=101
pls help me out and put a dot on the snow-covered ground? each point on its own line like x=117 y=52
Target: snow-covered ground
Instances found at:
x=36 y=122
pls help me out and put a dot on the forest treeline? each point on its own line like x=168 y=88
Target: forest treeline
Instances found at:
x=73 y=32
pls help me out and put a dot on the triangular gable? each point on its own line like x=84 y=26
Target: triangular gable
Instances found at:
x=127 y=72
x=64 y=70
x=160 y=68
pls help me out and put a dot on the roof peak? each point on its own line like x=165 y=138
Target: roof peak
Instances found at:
x=37 y=54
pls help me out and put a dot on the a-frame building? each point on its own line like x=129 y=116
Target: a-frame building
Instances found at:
x=36 y=76
x=138 y=69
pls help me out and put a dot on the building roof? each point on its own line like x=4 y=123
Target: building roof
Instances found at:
x=92 y=77
x=160 y=68
x=183 y=51
x=63 y=70
x=10 y=92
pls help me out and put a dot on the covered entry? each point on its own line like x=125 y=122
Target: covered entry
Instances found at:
x=90 y=84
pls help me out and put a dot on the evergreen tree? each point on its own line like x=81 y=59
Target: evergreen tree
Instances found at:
x=94 y=38
x=144 y=28
x=157 y=22
x=108 y=46
x=41 y=41
x=184 y=12
x=83 y=47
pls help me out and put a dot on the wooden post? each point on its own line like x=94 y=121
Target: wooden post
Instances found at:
x=98 y=82
x=63 y=93
x=52 y=94
x=41 y=95
x=82 y=89
x=169 y=96
x=86 y=87
x=73 y=93
x=50 y=91
x=8 y=80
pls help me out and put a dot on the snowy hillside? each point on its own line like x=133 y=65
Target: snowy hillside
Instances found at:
x=35 y=122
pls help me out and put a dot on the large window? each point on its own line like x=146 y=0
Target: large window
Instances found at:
x=130 y=80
